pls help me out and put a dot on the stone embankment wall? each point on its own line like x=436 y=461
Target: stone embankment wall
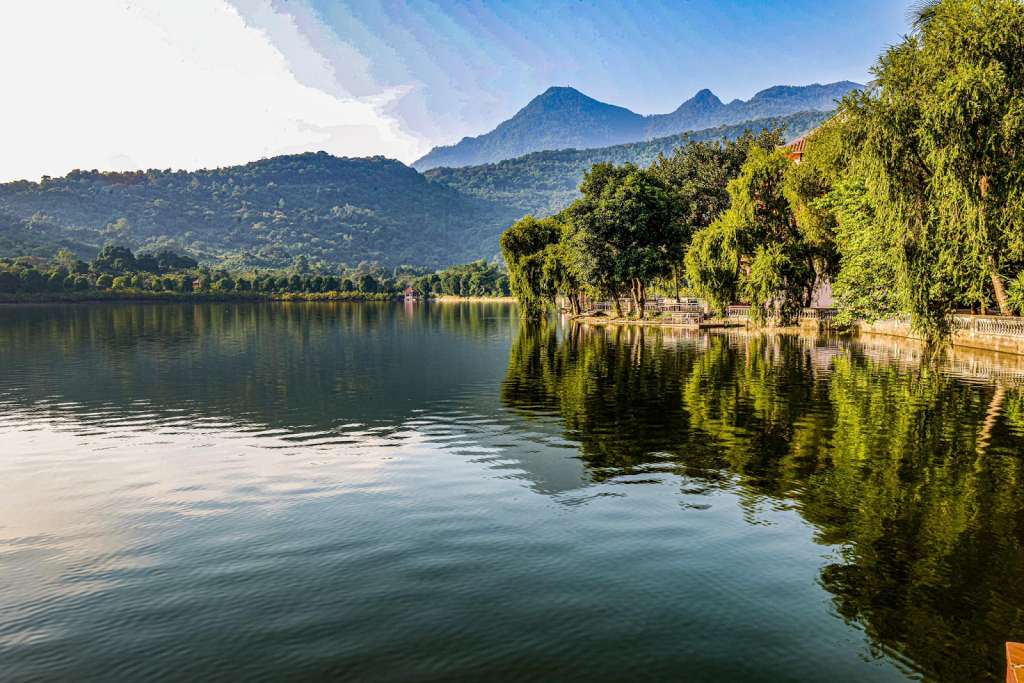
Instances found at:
x=975 y=332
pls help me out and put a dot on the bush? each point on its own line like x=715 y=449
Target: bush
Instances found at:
x=224 y=284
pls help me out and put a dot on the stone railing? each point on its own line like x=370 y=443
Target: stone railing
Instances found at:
x=683 y=317
x=825 y=315
x=997 y=325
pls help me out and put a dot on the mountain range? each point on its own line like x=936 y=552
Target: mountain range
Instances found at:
x=563 y=117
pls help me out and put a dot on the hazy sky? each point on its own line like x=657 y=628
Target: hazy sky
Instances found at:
x=124 y=84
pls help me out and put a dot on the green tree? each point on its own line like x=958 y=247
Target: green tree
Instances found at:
x=367 y=284
x=755 y=247
x=697 y=176
x=944 y=132
x=114 y=260
x=523 y=245
x=626 y=231
x=224 y=284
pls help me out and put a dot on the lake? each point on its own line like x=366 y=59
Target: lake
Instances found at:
x=402 y=492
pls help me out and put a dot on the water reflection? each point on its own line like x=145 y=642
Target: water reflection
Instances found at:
x=386 y=492
x=913 y=472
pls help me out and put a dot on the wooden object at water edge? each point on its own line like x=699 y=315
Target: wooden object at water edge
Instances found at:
x=1015 y=663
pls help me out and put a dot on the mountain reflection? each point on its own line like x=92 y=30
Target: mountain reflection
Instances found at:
x=912 y=472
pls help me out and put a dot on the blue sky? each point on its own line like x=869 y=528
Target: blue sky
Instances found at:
x=122 y=84
x=481 y=61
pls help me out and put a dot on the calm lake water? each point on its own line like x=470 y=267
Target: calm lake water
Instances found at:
x=394 y=493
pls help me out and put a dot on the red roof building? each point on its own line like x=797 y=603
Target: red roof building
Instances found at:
x=795 y=149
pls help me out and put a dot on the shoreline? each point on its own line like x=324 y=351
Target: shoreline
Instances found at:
x=94 y=297
x=974 y=341
x=710 y=324
x=452 y=299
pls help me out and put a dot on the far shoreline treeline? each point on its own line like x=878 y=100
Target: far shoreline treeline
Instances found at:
x=118 y=274
x=908 y=201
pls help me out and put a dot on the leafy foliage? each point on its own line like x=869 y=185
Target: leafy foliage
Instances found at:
x=755 y=245
x=524 y=246
x=117 y=270
x=943 y=132
x=626 y=230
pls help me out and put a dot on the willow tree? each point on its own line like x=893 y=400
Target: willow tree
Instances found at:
x=944 y=138
x=833 y=211
x=525 y=248
x=755 y=248
x=697 y=176
x=560 y=274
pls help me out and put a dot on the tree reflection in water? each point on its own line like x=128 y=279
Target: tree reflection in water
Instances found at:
x=913 y=472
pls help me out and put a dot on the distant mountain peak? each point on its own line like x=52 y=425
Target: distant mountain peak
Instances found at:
x=561 y=95
x=560 y=90
x=705 y=95
x=701 y=104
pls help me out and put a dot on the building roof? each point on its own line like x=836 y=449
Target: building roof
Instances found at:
x=795 y=148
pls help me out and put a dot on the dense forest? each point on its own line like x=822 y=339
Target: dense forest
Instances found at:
x=909 y=200
x=544 y=183
x=117 y=272
x=263 y=214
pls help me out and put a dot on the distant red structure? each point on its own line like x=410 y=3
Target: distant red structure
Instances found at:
x=794 y=150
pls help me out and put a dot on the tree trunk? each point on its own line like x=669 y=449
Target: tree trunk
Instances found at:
x=993 y=263
x=618 y=304
x=675 y=283
x=638 y=292
x=809 y=299
x=998 y=288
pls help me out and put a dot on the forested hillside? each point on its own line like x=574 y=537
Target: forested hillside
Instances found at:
x=265 y=213
x=544 y=183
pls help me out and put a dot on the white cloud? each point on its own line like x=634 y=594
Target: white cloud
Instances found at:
x=116 y=84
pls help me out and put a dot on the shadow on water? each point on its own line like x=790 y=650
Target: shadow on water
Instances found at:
x=911 y=471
